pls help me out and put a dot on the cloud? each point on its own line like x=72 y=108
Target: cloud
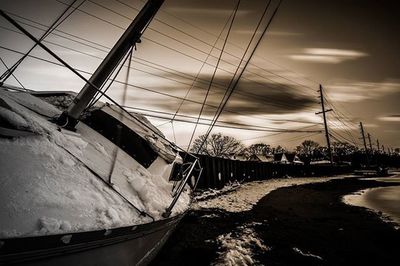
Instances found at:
x=356 y=91
x=390 y=118
x=324 y=55
x=252 y=97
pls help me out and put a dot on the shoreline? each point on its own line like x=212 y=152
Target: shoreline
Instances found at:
x=375 y=200
x=296 y=225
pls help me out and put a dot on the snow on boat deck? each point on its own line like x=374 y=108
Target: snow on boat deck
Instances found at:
x=44 y=189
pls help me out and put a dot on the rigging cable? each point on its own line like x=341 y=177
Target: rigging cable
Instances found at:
x=243 y=69
x=12 y=74
x=215 y=71
x=119 y=128
x=146 y=89
x=44 y=47
x=166 y=46
x=243 y=93
x=53 y=26
x=206 y=43
x=202 y=66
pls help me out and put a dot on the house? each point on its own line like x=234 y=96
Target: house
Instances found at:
x=262 y=158
x=280 y=158
x=293 y=158
x=239 y=157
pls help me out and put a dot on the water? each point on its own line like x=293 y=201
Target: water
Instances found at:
x=383 y=199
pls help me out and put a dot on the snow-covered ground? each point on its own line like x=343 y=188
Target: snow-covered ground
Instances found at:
x=247 y=195
x=212 y=193
x=46 y=186
x=237 y=247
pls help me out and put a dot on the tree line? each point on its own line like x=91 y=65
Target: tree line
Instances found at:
x=219 y=145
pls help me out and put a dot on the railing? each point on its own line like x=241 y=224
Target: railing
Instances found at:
x=186 y=175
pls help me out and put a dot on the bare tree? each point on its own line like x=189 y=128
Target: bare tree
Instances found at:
x=343 y=148
x=259 y=149
x=217 y=145
x=307 y=148
x=278 y=149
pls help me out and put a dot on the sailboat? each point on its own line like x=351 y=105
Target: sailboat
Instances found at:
x=85 y=182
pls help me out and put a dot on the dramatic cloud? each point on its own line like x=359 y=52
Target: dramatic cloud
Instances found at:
x=251 y=97
x=323 y=55
x=356 y=91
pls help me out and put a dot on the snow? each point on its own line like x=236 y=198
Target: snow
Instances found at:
x=46 y=186
x=306 y=254
x=237 y=247
x=248 y=194
x=211 y=193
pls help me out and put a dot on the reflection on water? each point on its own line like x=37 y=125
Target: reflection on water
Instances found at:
x=383 y=199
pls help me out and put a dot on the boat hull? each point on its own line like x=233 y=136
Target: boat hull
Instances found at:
x=133 y=245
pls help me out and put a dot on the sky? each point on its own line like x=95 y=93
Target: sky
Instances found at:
x=348 y=46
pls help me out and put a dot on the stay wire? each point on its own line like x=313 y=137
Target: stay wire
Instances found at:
x=202 y=66
x=53 y=26
x=147 y=89
x=12 y=74
x=221 y=105
x=218 y=38
x=243 y=69
x=168 y=47
x=215 y=71
x=243 y=93
x=82 y=77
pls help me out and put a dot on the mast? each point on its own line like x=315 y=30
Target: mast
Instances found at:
x=130 y=37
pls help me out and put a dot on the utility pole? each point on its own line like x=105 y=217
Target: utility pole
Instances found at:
x=365 y=142
x=323 y=112
x=370 y=144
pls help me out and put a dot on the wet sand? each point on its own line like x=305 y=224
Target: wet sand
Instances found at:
x=301 y=225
